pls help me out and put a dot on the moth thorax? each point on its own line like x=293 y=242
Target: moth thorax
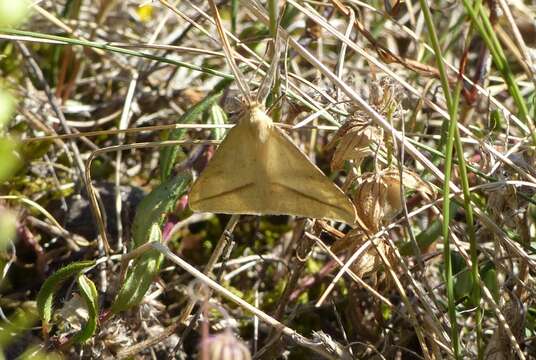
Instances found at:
x=260 y=123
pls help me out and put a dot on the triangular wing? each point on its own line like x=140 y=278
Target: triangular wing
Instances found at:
x=300 y=188
x=228 y=183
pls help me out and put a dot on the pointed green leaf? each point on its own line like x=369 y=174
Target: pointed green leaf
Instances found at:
x=91 y=296
x=146 y=227
x=45 y=296
x=140 y=275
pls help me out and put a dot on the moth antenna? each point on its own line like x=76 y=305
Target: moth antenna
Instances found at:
x=239 y=77
x=266 y=85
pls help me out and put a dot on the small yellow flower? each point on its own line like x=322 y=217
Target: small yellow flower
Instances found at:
x=145 y=12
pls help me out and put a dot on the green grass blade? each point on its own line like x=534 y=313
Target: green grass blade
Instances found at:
x=452 y=101
x=117 y=49
x=486 y=31
x=234 y=16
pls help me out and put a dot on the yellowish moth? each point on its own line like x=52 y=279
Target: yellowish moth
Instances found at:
x=257 y=169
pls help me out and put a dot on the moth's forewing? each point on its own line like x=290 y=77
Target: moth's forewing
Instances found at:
x=227 y=185
x=301 y=187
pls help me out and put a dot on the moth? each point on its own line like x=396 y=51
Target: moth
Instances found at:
x=257 y=169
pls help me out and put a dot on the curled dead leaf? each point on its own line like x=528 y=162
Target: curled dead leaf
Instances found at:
x=352 y=240
x=370 y=260
x=410 y=180
x=377 y=198
x=358 y=137
x=370 y=198
x=354 y=141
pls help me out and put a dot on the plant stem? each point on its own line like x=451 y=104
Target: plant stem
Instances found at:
x=452 y=105
x=485 y=28
x=103 y=46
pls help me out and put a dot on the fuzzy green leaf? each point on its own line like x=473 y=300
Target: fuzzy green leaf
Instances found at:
x=153 y=208
x=45 y=296
x=218 y=117
x=146 y=227
x=91 y=296
x=140 y=276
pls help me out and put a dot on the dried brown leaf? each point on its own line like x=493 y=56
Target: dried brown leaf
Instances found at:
x=377 y=198
x=370 y=260
x=370 y=200
x=350 y=241
x=410 y=180
x=354 y=141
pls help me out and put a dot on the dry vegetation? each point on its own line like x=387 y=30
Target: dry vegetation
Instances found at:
x=120 y=105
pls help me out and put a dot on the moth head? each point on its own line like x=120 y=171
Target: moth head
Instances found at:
x=254 y=117
x=250 y=114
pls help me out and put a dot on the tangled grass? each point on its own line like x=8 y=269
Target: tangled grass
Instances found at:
x=422 y=112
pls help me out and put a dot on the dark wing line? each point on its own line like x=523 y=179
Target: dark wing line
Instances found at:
x=307 y=196
x=223 y=193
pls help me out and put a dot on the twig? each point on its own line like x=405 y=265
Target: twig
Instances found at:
x=53 y=102
x=292 y=334
x=214 y=257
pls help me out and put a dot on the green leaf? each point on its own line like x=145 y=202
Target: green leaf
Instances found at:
x=35 y=150
x=13 y=12
x=489 y=277
x=140 y=275
x=463 y=285
x=428 y=236
x=496 y=120
x=463 y=282
x=51 y=285
x=153 y=208
x=218 y=117
x=169 y=153
x=18 y=323
x=289 y=16
x=91 y=296
x=254 y=33
x=8 y=224
x=7 y=107
x=146 y=227
x=425 y=238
